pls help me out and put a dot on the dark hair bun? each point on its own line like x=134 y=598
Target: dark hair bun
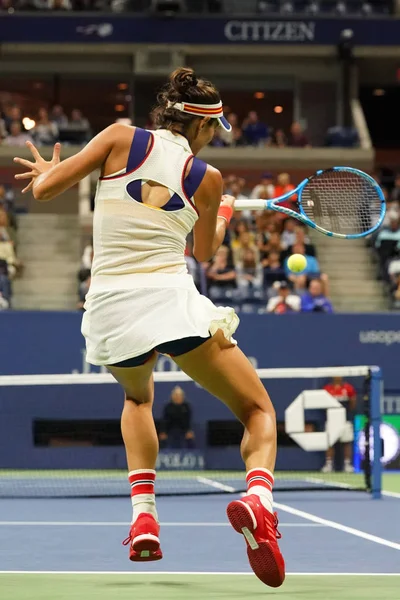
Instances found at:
x=183 y=79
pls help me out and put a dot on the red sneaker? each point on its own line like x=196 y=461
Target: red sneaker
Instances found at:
x=260 y=529
x=144 y=544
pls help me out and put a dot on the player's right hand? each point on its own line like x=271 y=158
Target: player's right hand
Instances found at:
x=227 y=200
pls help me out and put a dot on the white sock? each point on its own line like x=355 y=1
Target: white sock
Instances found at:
x=142 y=494
x=260 y=482
x=144 y=503
x=265 y=496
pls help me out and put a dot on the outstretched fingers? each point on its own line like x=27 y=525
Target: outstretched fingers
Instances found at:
x=56 y=154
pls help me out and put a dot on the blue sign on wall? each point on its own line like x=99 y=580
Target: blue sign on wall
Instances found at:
x=128 y=28
x=40 y=342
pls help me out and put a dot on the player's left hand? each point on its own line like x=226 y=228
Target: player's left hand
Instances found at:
x=39 y=166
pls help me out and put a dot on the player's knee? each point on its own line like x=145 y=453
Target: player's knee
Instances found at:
x=261 y=409
x=136 y=400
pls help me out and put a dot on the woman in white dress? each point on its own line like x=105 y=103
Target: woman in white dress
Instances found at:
x=152 y=192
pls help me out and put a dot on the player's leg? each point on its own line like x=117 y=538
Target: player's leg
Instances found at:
x=141 y=445
x=223 y=370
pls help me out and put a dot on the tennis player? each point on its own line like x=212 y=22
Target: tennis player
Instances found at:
x=152 y=193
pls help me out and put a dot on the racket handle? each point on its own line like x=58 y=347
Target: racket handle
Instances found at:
x=250 y=204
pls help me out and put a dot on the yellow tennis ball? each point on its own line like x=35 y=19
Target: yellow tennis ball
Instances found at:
x=297 y=263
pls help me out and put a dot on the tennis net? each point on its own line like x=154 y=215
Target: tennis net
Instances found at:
x=60 y=434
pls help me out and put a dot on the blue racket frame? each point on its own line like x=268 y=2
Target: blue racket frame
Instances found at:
x=301 y=216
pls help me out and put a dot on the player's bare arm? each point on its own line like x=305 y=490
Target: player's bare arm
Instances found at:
x=48 y=179
x=209 y=231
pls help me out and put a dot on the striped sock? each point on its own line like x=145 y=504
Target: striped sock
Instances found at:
x=142 y=492
x=260 y=482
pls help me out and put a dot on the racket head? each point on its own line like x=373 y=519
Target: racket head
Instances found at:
x=342 y=202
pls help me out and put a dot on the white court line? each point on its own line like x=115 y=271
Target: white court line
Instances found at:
x=125 y=524
x=216 y=484
x=391 y=494
x=200 y=573
x=339 y=526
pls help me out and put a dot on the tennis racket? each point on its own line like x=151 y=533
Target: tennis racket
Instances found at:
x=340 y=202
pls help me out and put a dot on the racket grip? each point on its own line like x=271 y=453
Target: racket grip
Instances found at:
x=250 y=204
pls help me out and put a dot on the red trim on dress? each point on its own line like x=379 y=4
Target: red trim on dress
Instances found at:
x=183 y=184
x=146 y=156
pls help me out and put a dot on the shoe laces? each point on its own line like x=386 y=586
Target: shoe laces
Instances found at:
x=276 y=523
x=127 y=540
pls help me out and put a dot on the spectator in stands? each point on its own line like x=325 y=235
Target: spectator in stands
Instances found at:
x=265 y=189
x=299 y=283
x=7 y=233
x=388 y=241
x=249 y=273
x=218 y=140
x=245 y=241
x=59 y=5
x=297 y=137
x=273 y=269
x=255 y=132
x=395 y=193
x=234 y=137
x=3 y=130
x=396 y=293
x=7 y=203
x=315 y=300
x=312 y=267
x=7 y=254
x=12 y=113
x=273 y=244
x=176 y=428
x=285 y=301
x=289 y=232
x=394 y=267
x=301 y=237
x=79 y=122
x=346 y=394
x=5 y=292
x=83 y=290
x=283 y=185
x=59 y=117
x=220 y=275
x=280 y=139
x=45 y=131
x=237 y=190
x=17 y=136
x=87 y=256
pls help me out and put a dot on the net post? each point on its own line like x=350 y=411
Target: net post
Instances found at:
x=376 y=386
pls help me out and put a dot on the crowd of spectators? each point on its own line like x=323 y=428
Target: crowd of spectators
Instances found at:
x=254 y=132
x=386 y=244
x=249 y=270
x=342 y=8
x=45 y=129
x=10 y=265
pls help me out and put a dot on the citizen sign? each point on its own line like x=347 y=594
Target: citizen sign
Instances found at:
x=270 y=31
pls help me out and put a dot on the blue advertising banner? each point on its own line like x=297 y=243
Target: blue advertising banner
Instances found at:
x=136 y=29
x=41 y=342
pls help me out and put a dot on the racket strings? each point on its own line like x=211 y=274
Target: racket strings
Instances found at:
x=342 y=202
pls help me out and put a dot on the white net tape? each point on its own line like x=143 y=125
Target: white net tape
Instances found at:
x=179 y=376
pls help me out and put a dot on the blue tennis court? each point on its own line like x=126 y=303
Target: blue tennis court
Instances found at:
x=324 y=534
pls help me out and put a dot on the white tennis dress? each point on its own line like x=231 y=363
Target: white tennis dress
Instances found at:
x=141 y=294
